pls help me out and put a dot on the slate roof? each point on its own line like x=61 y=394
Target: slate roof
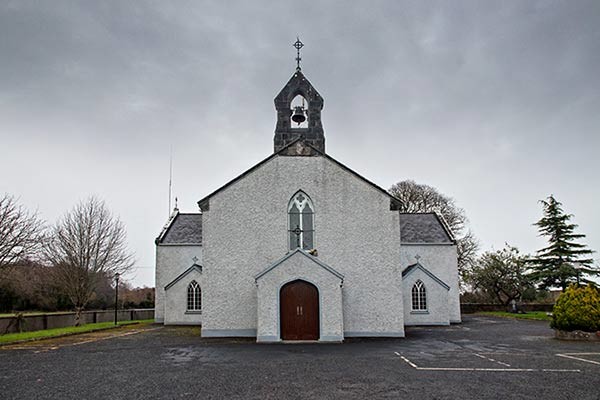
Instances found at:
x=414 y=228
x=424 y=228
x=182 y=229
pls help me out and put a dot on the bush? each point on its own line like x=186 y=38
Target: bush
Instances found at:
x=577 y=308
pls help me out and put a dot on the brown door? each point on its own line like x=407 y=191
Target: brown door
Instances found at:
x=299 y=311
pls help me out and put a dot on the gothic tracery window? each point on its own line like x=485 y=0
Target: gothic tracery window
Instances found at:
x=194 y=298
x=419 y=297
x=301 y=222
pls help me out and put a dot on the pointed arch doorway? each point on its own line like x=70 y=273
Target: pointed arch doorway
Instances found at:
x=299 y=311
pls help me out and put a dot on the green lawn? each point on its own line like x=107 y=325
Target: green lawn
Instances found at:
x=71 y=330
x=536 y=315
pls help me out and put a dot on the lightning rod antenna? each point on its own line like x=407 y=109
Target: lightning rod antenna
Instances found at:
x=170 y=175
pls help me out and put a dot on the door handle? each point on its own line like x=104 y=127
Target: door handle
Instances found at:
x=299 y=310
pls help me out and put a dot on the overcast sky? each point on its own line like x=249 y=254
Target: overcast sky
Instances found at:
x=495 y=103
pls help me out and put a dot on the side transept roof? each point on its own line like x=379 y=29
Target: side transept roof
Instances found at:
x=182 y=228
x=427 y=228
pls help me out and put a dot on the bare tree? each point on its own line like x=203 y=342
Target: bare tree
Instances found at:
x=467 y=247
x=417 y=197
x=85 y=245
x=20 y=232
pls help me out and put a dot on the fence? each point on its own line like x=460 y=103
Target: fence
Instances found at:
x=36 y=322
x=469 y=308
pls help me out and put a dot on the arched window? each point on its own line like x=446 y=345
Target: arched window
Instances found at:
x=194 y=298
x=419 y=297
x=301 y=222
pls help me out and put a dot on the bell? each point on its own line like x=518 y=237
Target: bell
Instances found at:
x=298 y=116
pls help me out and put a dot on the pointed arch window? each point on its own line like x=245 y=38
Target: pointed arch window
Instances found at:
x=419 y=297
x=194 y=298
x=301 y=222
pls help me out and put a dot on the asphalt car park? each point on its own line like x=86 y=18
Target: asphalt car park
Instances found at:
x=484 y=357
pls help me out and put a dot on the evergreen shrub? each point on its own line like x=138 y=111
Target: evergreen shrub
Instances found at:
x=577 y=308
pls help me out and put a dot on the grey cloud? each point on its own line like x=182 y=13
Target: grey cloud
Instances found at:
x=495 y=103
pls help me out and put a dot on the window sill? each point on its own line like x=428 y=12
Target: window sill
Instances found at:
x=193 y=312
x=419 y=312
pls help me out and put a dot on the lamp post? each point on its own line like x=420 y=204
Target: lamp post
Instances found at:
x=116 y=295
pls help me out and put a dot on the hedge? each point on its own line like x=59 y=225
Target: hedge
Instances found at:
x=577 y=308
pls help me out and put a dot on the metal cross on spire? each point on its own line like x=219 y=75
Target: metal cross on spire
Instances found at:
x=298 y=45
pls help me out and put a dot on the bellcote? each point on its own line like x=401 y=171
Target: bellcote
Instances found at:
x=299 y=96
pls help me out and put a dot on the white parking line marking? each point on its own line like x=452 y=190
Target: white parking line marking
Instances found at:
x=415 y=366
x=572 y=356
x=95 y=340
x=492 y=360
x=110 y=337
x=407 y=360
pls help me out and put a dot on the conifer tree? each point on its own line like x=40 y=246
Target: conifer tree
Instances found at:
x=564 y=260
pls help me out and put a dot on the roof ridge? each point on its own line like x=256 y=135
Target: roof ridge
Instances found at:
x=446 y=226
x=166 y=226
x=396 y=201
x=180 y=229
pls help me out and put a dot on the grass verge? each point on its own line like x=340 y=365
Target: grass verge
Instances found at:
x=535 y=315
x=71 y=330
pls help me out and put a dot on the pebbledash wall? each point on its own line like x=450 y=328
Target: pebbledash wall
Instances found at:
x=437 y=300
x=441 y=260
x=262 y=238
x=171 y=261
x=356 y=233
x=176 y=312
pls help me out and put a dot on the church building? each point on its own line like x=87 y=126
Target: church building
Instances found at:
x=301 y=247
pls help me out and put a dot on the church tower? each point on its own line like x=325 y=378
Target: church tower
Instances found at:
x=299 y=108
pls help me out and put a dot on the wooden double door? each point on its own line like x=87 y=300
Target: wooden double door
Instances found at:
x=299 y=311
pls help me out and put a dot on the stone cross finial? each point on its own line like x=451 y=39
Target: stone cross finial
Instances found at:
x=195 y=259
x=417 y=257
x=298 y=45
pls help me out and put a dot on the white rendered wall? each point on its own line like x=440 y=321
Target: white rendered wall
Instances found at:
x=245 y=230
x=176 y=301
x=299 y=266
x=171 y=261
x=440 y=260
x=437 y=301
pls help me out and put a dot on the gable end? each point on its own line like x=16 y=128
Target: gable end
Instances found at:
x=194 y=267
x=418 y=266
